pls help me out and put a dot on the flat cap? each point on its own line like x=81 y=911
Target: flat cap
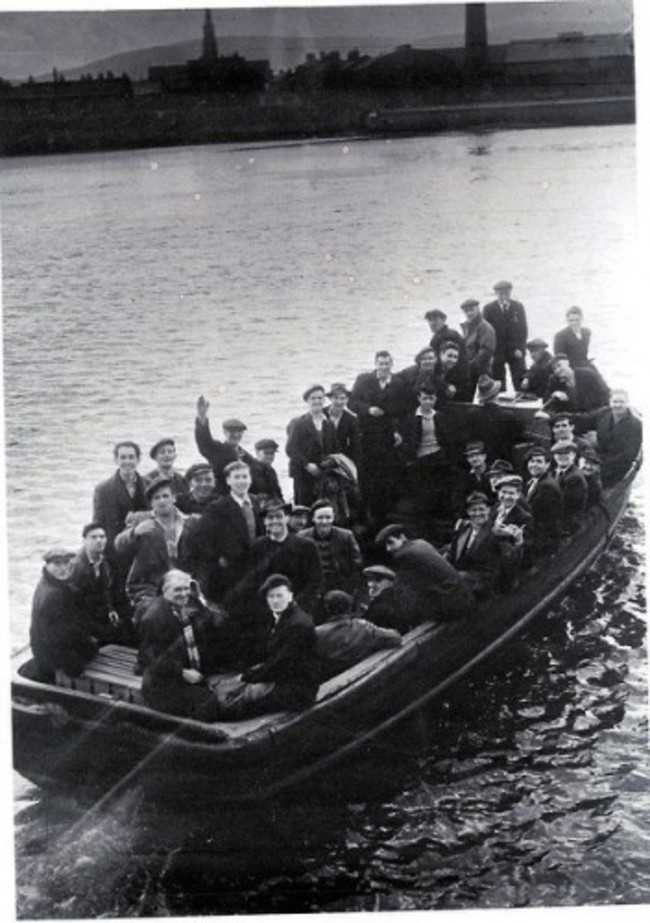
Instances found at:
x=338 y=388
x=435 y=312
x=273 y=581
x=476 y=497
x=310 y=390
x=469 y=303
x=591 y=455
x=537 y=343
x=475 y=446
x=199 y=468
x=153 y=451
x=378 y=570
x=234 y=424
x=500 y=466
x=274 y=505
x=501 y=285
x=510 y=480
x=58 y=554
x=155 y=485
x=538 y=451
x=299 y=508
x=266 y=444
x=562 y=448
x=393 y=528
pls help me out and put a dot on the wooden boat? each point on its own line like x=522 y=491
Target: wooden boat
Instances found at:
x=97 y=737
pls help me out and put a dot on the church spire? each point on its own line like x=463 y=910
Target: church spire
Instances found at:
x=209 y=40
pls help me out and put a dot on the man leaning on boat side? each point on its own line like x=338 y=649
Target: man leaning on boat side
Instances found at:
x=92 y=582
x=381 y=607
x=219 y=454
x=345 y=639
x=474 y=550
x=289 y=676
x=508 y=318
x=427 y=585
x=180 y=645
x=59 y=634
x=156 y=541
x=618 y=435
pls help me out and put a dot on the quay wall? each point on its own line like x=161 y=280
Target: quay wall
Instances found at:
x=47 y=125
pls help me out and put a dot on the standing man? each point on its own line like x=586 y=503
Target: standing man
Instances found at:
x=618 y=435
x=573 y=340
x=380 y=399
x=92 y=582
x=312 y=437
x=338 y=550
x=508 y=318
x=202 y=489
x=480 y=341
x=221 y=540
x=346 y=423
x=573 y=485
x=218 y=453
x=544 y=498
x=265 y=482
x=164 y=455
x=155 y=540
x=441 y=333
x=60 y=637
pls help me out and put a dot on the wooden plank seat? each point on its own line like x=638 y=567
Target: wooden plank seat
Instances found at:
x=109 y=673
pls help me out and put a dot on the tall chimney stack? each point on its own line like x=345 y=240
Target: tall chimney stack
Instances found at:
x=475 y=37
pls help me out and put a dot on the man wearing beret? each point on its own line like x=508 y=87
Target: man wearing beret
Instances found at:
x=480 y=340
x=311 y=437
x=535 y=378
x=60 y=637
x=156 y=540
x=218 y=453
x=508 y=318
x=544 y=498
x=164 y=455
x=437 y=321
x=474 y=551
x=202 y=489
x=573 y=485
x=265 y=481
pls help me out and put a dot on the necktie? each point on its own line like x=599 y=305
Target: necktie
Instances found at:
x=249 y=516
x=531 y=488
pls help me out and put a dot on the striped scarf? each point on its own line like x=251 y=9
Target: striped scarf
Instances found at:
x=188 y=636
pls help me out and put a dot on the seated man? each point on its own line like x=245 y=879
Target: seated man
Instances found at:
x=202 y=489
x=573 y=485
x=381 y=605
x=589 y=464
x=164 y=455
x=180 y=645
x=289 y=676
x=478 y=477
x=474 y=551
x=557 y=428
x=535 y=379
x=299 y=518
x=344 y=639
x=156 y=540
x=220 y=454
x=618 y=435
x=545 y=502
x=427 y=586
x=265 y=482
x=450 y=375
x=576 y=390
x=60 y=636
x=92 y=582
x=338 y=550
x=512 y=527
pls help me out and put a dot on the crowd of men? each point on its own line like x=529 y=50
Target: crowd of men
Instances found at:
x=416 y=494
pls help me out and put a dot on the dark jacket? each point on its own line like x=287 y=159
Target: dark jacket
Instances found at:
x=499 y=428
x=218 y=453
x=265 y=483
x=410 y=430
x=545 y=503
x=296 y=557
x=112 y=503
x=385 y=611
x=480 y=562
x=179 y=484
x=219 y=545
x=574 y=498
x=344 y=557
x=344 y=641
x=538 y=375
x=291 y=660
x=589 y=392
x=618 y=443
x=480 y=343
x=94 y=596
x=447 y=335
x=510 y=327
x=433 y=587
x=150 y=556
x=163 y=656
x=304 y=446
x=452 y=384
x=348 y=434
x=576 y=350
x=377 y=432
x=59 y=635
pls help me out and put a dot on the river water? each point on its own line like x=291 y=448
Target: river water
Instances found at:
x=133 y=282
